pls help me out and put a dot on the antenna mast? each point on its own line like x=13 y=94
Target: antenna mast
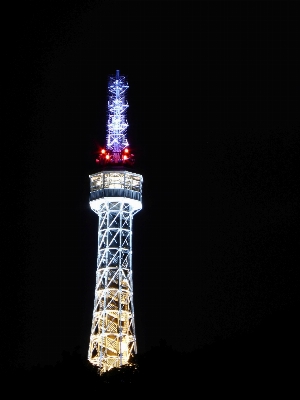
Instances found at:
x=116 y=150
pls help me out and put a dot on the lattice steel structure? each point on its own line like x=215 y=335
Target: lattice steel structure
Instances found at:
x=115 y=195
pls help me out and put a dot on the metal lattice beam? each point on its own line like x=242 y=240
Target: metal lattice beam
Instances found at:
x=113 y=338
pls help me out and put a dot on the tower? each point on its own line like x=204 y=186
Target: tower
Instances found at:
x=116 y=196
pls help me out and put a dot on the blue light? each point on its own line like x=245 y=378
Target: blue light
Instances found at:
x=117 y=124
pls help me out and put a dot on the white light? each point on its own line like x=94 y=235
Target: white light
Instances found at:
x=112 y=339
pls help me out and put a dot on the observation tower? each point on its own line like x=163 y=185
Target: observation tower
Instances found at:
x=116 y=196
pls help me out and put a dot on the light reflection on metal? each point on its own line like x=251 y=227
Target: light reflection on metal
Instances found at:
x=115 y=196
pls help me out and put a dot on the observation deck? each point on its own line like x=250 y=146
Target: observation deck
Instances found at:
x=111 y=185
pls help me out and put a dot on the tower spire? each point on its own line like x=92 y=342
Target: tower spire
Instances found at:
x=116 y=150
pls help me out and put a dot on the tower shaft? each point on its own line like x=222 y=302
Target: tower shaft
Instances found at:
x=115 y=196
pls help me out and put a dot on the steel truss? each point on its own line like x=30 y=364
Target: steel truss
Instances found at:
x=113 y=338
x=117 y=107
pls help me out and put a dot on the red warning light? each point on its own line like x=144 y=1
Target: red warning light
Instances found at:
x=125 y=157
x=126 y=150
x=103 y=151
x=107 y=156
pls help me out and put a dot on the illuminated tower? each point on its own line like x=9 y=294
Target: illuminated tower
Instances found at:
x=115 y=195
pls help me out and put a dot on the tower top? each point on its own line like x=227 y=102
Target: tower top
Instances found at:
x=116 y=151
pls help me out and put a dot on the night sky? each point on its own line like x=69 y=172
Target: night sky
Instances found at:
x=214 y=124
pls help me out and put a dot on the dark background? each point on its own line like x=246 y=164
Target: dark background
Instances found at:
x=214 y=124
